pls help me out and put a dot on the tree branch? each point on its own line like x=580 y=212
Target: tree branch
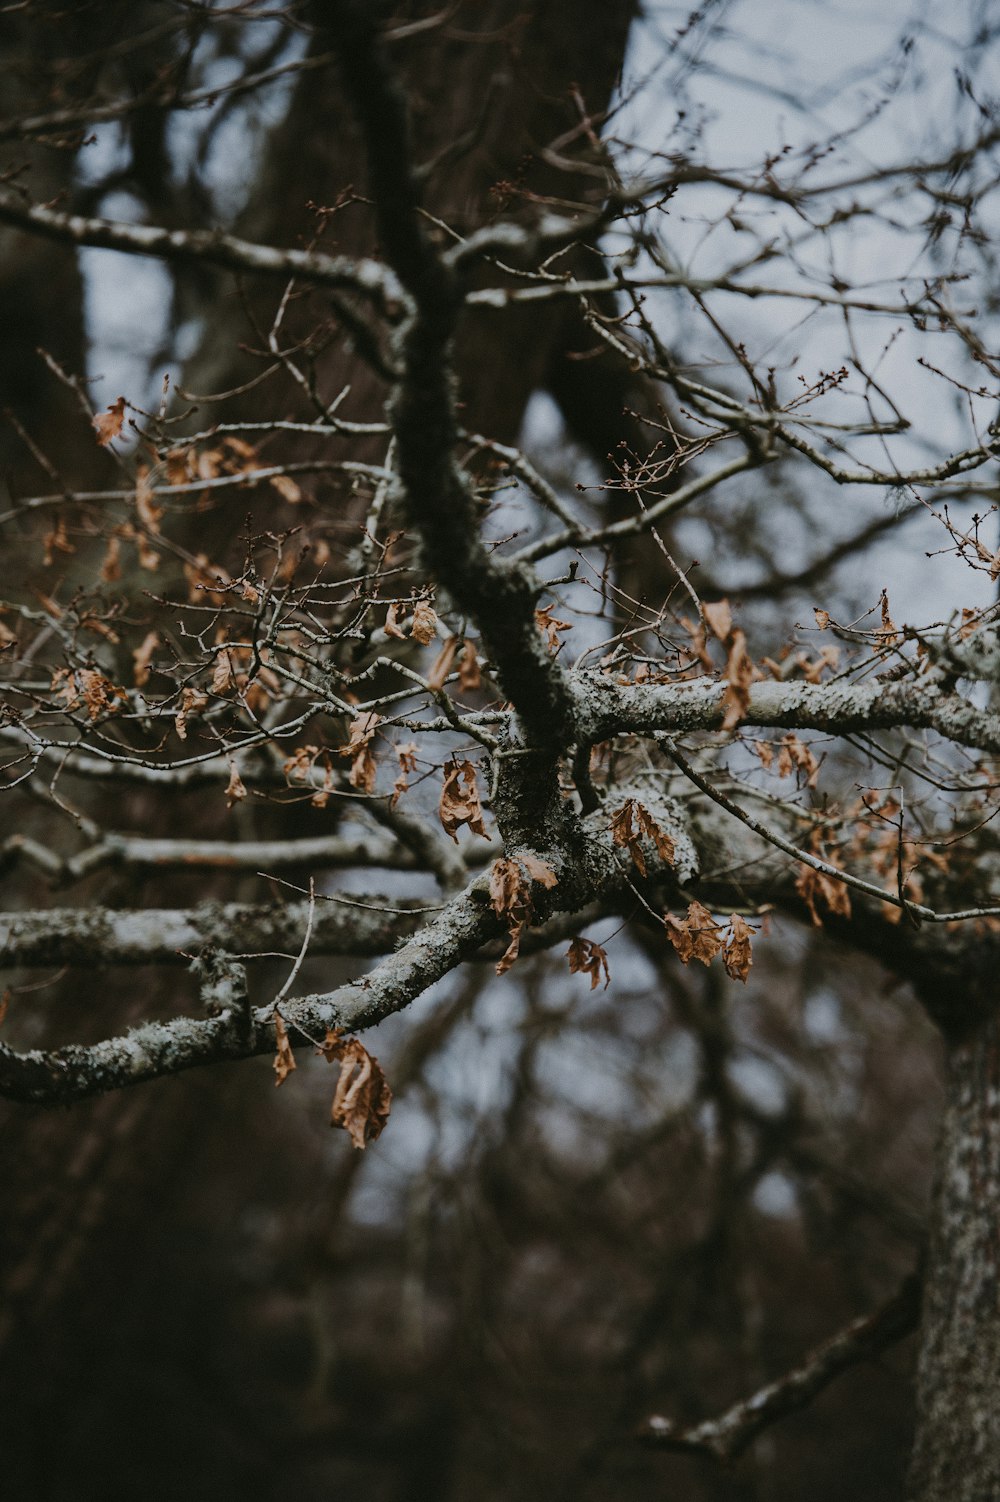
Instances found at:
x=727 y=1436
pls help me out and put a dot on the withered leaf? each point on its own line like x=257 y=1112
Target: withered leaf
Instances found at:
x=739 y=676
x=142 y=656
x=284 y=1059
x=438 y=675
x=146 y=508
x=469 y=677
x=737 y=956
x=719 y=618
x=359 y=748
x=392 y=626
x=822 y=617
x=887 y=635
x=362 y=1099
x=235 y=787
x=287 y=489
x=587 y=958
x=550 y=627
x=795 y=755
x=627 y=837
x=817 y=889
x=510 y=894
x=108 y=425
x=460 y=800
x=407 y=754
x=696 y=936
x=423 y=627
x=191 y=703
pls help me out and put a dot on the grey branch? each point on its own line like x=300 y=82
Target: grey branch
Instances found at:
x=165 y=936
x=160 y=1048
x=368 y=278
x=727 y=1436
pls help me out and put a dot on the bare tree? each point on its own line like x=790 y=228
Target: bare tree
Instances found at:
x=342 y=622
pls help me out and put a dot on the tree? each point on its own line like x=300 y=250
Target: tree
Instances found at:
x=345 y=624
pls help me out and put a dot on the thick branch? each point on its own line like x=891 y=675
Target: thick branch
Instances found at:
x=608 y=708
x=169 y=936
x=368 y=278
x=499 y=596
x=161 y=1048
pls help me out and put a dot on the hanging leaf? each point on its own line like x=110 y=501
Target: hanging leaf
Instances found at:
x=284 y=1059
x=407 y=754
x=423 y=628
x=739 y=676
x=460 y=800
x=696 y=936
x=235 y=788
x=719 y=618
x=469 y=678
x=359 y=748
x=108 y=425
x=818 y=890
x=587 y=958
x=362 y=1099
x=510 y=894
x=142 y=656
x=737 y=956
x=438 y=675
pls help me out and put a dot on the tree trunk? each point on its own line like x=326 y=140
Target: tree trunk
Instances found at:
x=957 y=1450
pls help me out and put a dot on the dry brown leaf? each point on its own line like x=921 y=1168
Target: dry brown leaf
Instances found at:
x=146 y=508
x=719 y=618
x=469 y=678
x=423 y=627
x=298 y=766
x=191 y=703
x=108 y=425
x=180 y=466
x=822 y=617
x=510 y=894
x=887 y=635
x=438 y=675
x=587 y=958
x=392 y=626
x=649 y=827
x=284 y=1059
x=813 y=671
x=794 y=755
x=287 y=489
x=56 y=541
x=539 y=871
x=765 y=751
x=695 y=937
x=235 y=788
x=460 y=804
x=111 y=568
x=142 y=657
x=86 y=686
x=699 y=646
x=737 y=956
x=550 y=627
x=362 y=1099
x=627 y=837
x=359 y=748
x=739 y=676
x=817 y=889
x=407 y=754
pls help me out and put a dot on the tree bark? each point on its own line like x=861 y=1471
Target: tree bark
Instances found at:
x=957 y=1449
